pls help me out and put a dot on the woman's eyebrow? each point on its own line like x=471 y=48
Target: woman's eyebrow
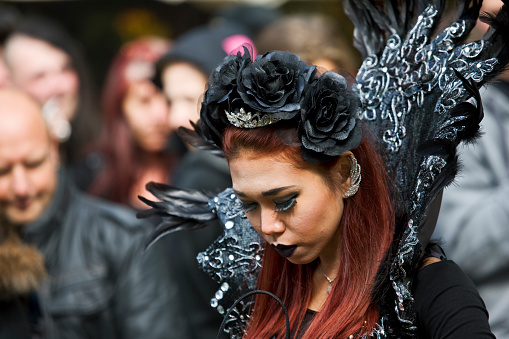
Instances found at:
x=266 y=193
x=275 y=190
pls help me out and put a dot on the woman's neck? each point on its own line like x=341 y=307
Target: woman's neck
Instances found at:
x=329 y=258
x=326 y=271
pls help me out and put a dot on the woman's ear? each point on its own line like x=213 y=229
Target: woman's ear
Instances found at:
x=343 y=167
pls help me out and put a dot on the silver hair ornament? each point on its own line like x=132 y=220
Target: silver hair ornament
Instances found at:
x=245 y=119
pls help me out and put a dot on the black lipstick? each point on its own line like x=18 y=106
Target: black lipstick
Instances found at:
x=285 y=251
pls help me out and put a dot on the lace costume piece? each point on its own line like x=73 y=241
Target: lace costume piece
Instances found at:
x=413 y=91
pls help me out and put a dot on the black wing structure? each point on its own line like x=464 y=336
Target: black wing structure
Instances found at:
x=420 y=97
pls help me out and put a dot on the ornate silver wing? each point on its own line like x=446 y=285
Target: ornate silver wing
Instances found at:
x=414 y=91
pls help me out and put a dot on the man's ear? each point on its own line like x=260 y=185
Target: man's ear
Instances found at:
x=342 y=167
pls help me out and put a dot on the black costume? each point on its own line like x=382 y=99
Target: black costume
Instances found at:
x=413 y=92
x=440 y=290
x=100 y=284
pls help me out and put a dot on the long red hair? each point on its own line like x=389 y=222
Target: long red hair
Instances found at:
x=123 y=157
x=367 y=227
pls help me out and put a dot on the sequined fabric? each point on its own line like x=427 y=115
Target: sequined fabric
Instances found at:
x=233 y=260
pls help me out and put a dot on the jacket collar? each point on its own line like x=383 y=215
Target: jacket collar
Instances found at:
x=53 y=217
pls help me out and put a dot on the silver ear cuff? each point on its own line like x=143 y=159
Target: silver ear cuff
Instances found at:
x=355 y=177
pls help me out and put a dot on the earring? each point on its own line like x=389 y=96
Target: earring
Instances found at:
x=355 y=177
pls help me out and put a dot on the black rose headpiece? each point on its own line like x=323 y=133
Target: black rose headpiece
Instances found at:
x=278 y=86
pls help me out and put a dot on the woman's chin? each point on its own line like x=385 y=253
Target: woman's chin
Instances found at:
x=298 y=259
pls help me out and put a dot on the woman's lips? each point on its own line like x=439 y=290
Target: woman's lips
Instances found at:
x=285 y=251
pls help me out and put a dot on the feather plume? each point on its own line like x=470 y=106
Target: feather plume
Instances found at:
x=446 y=150
x=468 y=128
x=498 y=34
x=194 y=137
x=375 y=23
x=179 y=210
x=421 y=97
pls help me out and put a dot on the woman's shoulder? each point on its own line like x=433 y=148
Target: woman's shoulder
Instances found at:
x=447 y=303
x=437 y=275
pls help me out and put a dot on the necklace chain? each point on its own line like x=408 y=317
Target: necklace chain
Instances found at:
x=329 y=288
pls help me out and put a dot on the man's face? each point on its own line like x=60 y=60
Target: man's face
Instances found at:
x=4 y=72
x=28 y=168
x=45 y=72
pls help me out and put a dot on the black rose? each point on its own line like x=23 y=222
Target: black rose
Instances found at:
x=223 y=81
x=330 y=125
x=274 y=84
x=222 y=94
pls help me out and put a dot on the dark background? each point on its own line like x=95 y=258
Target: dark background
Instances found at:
x=102 y=26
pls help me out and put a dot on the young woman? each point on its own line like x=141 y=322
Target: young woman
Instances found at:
x=134 y=145
x=321 y=239
x=344 y=246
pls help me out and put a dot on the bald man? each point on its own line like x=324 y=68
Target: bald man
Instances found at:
x=100 y=283
x=28 y=158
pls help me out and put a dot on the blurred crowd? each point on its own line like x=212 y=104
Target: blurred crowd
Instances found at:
x=74 y=158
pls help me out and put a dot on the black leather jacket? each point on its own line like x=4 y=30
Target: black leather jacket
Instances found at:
x=101 y=284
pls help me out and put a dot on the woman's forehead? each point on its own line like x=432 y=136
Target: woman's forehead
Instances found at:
x=255 y=173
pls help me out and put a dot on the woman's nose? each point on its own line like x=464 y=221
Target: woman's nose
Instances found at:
x=270 y=222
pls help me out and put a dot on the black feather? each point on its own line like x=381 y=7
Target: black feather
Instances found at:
x=468 y=128
x=170 y=226
x=498 y=34
x=446 y=176
x=194 y=137
x=179 y=210
x=374 y=23
x=436 y=147
x=166 y=192
x=367 y=35
x=446 y=150
x=468 y=9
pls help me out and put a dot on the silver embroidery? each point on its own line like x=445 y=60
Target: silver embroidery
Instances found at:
x=233 y=260
x=396 y=84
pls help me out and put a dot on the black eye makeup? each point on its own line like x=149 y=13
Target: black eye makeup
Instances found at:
x=282 y=204
x=248 y=207
x=287 y=203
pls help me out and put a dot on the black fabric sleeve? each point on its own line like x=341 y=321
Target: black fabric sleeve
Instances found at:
x=448 y=305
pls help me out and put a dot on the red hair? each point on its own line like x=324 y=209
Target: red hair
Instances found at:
x=123 y=161
x=367 y=228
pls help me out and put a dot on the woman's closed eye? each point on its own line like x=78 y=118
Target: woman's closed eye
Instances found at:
x=248 y=206
x=287 y=204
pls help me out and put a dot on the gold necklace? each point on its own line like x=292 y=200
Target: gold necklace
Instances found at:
x=329 y=288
